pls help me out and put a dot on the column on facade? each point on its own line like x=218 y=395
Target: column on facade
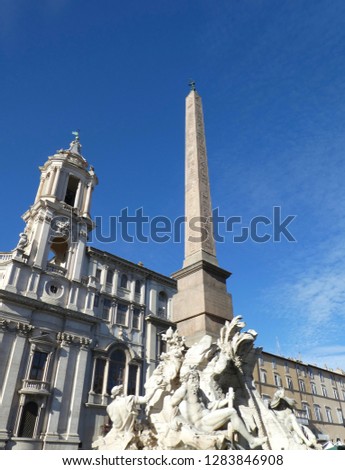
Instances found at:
x=60 y=397
x=33 y=281
x=79 y=195
x=132 y=289
x=42 y=240
x=115 y=282
x=56 y=181
x=51 y=181
x=86 y=208
x=12 y=346
x=79 y=255
x=40 y=188
x=77 y=392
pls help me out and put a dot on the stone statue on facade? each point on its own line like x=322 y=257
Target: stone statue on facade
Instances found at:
x=204 y=397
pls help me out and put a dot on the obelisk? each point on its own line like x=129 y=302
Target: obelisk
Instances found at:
x=202 y=303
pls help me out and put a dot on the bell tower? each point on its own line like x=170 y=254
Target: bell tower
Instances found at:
x=58 y=223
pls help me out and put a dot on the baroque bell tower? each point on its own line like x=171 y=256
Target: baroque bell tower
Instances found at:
x=58 y=223
x=202 y=303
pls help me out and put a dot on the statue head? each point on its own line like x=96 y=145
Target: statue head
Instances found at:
x=116 y=391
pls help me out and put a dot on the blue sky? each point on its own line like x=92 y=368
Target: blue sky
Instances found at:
x=271 y=75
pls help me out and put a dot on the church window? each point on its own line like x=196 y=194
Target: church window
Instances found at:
x=28 y=420
x=99 y=376
x=161 y=345
x=38 y=365
x=132 y=379
x=110 y=276
x=137 y=287
x=117 y=365
x=106 y=309
x=71 y=190
x=124 y=281
x=162 y=304
x=121 y=317
x=136 y=319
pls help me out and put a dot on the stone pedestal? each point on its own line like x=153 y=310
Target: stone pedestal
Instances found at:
x=202 y=303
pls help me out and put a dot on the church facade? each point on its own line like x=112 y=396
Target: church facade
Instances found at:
x=74 y=320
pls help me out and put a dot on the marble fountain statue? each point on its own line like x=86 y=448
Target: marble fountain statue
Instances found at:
x=204 y=397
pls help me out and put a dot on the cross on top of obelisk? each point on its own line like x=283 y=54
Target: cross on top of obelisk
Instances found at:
x=192 y=85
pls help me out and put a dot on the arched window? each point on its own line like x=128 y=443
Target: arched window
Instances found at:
x=117 y=365
x=28 y=421
x=124 y=281
x=162 y=304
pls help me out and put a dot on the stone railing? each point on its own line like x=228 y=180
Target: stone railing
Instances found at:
x=4 y=257
x=54 y=268
x=35 y=386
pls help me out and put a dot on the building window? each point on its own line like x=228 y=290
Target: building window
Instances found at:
x=261 y=361
x=274 y=364
x=306 y=410
x=329 y=414
x=38 y=365
x=301 y=385
x=132 y=379
x=98 y=275
x=298 y=370
x=286 y=366
x=121 y=316
x=106 y=309
x=311 y=373
x=322 y=379
x=332 y=379
x=317 y=411
x=161 y=345
x=136 y=319
x=162 y=304
x=28 y=420
x=137 y=287
x=277 y=380
x=99 y=376
x=117 y=365
x=96 y=301
x=110 y=276
x=324 y=391
x=124 y=281
x=335 y=392
x=71 y=191
x=263 y=376
x=112 y=371
x=289 y=383
x=313 y=388
x=340 y=416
